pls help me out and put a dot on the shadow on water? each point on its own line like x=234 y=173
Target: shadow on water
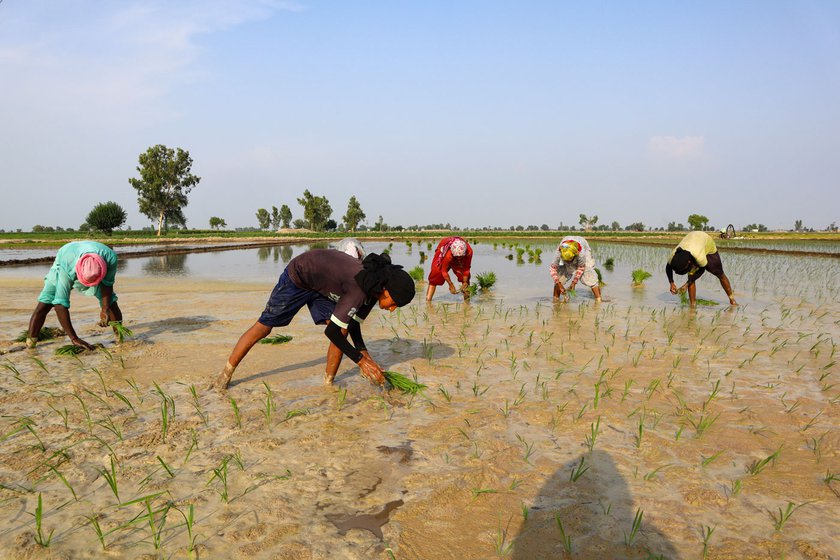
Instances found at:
x=597 y=513
x=176 y=325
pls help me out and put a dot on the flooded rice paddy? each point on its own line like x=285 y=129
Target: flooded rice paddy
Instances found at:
x=634 y=428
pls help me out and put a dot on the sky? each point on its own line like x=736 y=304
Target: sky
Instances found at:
x=474 y=113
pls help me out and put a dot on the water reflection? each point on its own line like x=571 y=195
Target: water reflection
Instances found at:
x=263 y=253
x=166 y=265
x=286 y=253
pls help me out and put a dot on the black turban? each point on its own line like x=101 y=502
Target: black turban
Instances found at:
x=379 y=274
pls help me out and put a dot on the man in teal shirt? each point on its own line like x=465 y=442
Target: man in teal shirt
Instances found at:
x=90 y=268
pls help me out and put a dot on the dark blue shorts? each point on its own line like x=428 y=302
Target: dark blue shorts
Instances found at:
x=286 y=300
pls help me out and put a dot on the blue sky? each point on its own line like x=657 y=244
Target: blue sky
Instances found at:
x=476 y=113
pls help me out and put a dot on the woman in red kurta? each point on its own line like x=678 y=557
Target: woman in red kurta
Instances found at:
x=452 y=253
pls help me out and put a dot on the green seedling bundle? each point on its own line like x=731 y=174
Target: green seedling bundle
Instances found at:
x=403 y=383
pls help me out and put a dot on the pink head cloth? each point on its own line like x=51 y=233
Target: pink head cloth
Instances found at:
x=458 y=248
x=91 y=269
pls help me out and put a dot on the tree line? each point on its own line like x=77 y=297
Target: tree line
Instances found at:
x=165 y=181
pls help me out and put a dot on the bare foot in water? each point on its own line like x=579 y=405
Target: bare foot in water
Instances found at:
x=223 y=380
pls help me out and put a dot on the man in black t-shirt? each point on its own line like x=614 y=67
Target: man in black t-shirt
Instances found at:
x=340 y=291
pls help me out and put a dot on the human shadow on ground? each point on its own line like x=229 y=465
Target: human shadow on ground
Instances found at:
x=176 y=325
x=381 y=350
x=596 y=512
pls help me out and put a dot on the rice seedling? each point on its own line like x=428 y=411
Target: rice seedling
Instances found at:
x=276 y=339
x=501 y=546
x=703 y=423
x=485 y=280
x=564 y=538
x=784 y=516
x=69 y=350
x=269 y=403
x=93 y=521
x=711 y=458
x=220 y=473
x=197 y=405
x=193 y=445
x=609 y=263
x=476 y=492
x=110 y=477
x=41 y=539
x=757 y=466
x=166 y=467
x=236 y=415
x=529 y=448
x=830 y=477
x=707 y=535
x=189 y=523
x=578 y=471
x=340 y=397
x=652 y=474
x=403 y=383
x=639 y=276
x=634 y=528
x=46 y=333
x=735 y=487
x=416 y=273
x=156 y=526
x=120 y=331
x=296 y=412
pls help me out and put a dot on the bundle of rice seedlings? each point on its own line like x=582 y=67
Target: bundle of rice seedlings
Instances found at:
x=470 y=290
x=609 y=263
x=639 y=276
x=485 y=280
x=46 y=333
x=600 y=278
x=276 y=339
x=69 y=350
x=700 y=301
x=120 y=331
x=403 y=383
x=416 y=273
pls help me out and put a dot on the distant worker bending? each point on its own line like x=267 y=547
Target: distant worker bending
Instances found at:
x=452 y=253
x=88 y=267
x=694 y=255
x=573 y=259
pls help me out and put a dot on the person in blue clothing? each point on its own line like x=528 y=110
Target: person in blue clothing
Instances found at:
x=88 y=267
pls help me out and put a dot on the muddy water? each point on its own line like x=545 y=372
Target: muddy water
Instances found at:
x=536 y=414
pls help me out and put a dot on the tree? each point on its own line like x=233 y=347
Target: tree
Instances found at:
x=674 y=226
x=587 y=222
x=264 y=218
x=300 y=224
x=697 y=221
x=285 y=215
x=615 y=226
x=275 y=218
x=797 y=225
x=217 y=223
x=544 y=227
x=330 y=225
x=354 y=215
x=106 y=217
x=755 y=227
x=316 y=210
x=164 y=183
x=635 y=226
